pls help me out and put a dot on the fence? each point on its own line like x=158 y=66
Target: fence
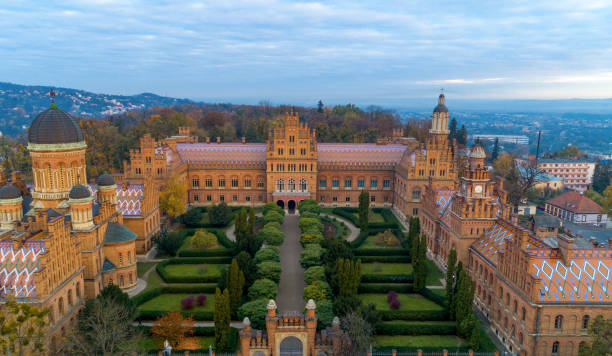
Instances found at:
x=432 y=353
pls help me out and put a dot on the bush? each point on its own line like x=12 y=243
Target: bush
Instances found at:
x=256 y=310
x=385 y=288
x=383 y=259
x=273 y=216
x=201 y=299
x=309 y=214
x=310 y=224
x=314 y=273
x=387 y=278
x=309 y=205
x=391 y=296
x=417 y=328
x=325 y=313
x=187 y=303
x=311 y=255
x=263 y=288
x=203 y=239
x=317 y=292
x=267 y=254
x=394 y=304
x=413 y=315
x=271 y=236
x=270 y=270
x=168 y=243
x=273 y=224
x=346 y=305
x=272 y=207
x=193 y=217
x=220 y=215
x=311 y=239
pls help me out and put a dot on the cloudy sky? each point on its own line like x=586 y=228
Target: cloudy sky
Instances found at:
x=364 y=51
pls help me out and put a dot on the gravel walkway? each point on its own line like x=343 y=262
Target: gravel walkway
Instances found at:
x=291 y=288
x=355 y=231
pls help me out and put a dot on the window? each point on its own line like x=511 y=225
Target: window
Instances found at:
x=585 y=322
x=348 y=182
x=120 y=259
x=196 y=197
x=303 y=151
x=260 y=198
x=523 y=313
x=416 y=194
x=348 y=199
x=247 y=198
x=222 y=182
x=234 y=198
x=386 y=183
x=335 y=183
x=260 y=183
x=280 y=185
x=234 y=182
x=521 y=339
x=195 y=182
x=515 y=307
x=373 y=183
x=121 y=280
x=221 y=197
x=208 y=182
x=322 y=183
x=291 y=184
x=555 y=348
x=209 y=197
x=335 y=198
x=303 y=185
x=559 y=322
x=360 y=183
x=372 y=198
x=247 y=182
x=292 y=151
x=415 y=211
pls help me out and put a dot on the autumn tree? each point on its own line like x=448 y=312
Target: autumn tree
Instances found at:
x=172 y=327
x=357 y=335
x=172 y=197
x=503 y=164
x=23 y=327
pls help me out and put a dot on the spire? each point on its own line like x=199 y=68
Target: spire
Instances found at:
x=52 y=95
x=441 y=97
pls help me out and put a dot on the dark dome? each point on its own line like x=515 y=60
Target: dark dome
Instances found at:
x=105 y=180
x=9 y=192
x=79 y=192
x=54 y=126
x=441 y=107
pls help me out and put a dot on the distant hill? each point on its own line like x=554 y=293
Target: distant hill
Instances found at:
x=19 y=104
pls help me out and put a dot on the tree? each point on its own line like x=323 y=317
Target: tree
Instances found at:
x=203 y=239
x=358 y=334
x=420 y=264
x=220 y=214
x=315 y=292
x=450 y=278
x=270 y=270
x=273 y=216
x=256 y=310
x=310 y=224
x=453 y=302
x=248 y=266
x=271 y=235
x=168 y=243
x=503 y=164
x=325 y=313
x=192 y=218
x=314 y=273
x=452 y=127
x=268 y=253
x=235 y=285
x=569 y=151
x=607 y=201
x=600 y=331
x=364 y=208
x=172 y=327
x=320 y=106
x=23 y=327
x=263 y=288
x=222 y=320
x=172 y=198
x=602 y=177
x=465 y=296
x=349 y=276
x=311 y=255
x=462 y=136
x=495 y=152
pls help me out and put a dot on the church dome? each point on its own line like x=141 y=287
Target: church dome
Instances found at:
x=478 y=152
x=105 y=180
x=54 y=126
x=9 y=192
x=441 y=107
x=79 y=192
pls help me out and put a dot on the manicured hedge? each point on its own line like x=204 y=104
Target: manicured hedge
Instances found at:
x=156 y=314
x=150 y=294
x=384 y=259
x=217 y=252
x=161 y=269
x=347 y=213
x=436 y=298
x=387 y=278
x=385 y=287
x=425 y=349
x=382 y=251
x=425 y=315
x=416 y=328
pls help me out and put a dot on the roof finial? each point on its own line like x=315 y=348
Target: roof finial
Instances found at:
x=52 y=95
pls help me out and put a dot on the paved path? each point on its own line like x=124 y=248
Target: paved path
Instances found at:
x=229 y=232
x=355 y=231
x=291 y=288
x=141 y=284
x=233 y=324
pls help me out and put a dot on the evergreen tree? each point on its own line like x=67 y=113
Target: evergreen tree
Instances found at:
x=364 y=207
x=222 y=320
x=452 y=127
x=236 y=286
x=349 y=276
x=320 y=106
x=453 y=302
x=465 y=296
x=450 y=277
x=420 y=265
x=495 y=152
x=462 y=136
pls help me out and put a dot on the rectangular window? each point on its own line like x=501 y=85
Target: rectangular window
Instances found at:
x=247 y=198
x=386 y=183
x=373 y=183
x=222 y=182
x=247 y=183
x=196 y=197
x=303 y=151
x=348 y=199
x=322 y=198
x=335 y=198
x=360 y=183
x=234 y=198
x=195 y=182
x=415 y=211
x=260 y=198
x=323 y=183
x=348 y=183
x=372 y=198
x=234 y=182
x=209 y=198
x=260 y=183
x=335 y=183
x=208 y=182
x=222 y=197
x=291 y=151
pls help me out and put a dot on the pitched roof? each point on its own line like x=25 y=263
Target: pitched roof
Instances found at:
x=19 y=266
x=118 y=233
x=108 y=265
x=545 y=220
x=575 y=202
x=360 y=153
x=222 y=152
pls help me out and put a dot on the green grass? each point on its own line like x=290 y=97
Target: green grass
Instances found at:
x=372 y=217
x=386 y=268
x=370 y=242
x=407 y=302
x=142 y=267
x=172 y=302
x=200 y=270
x=486 y=344
x=153 y=281
x=433 y=274
x=442 y=341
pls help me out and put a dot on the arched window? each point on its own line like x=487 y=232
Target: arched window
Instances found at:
x=555 y=348
x=121 y=280
x=70 y=298
x=303 y=185
x=51 y=315
x=280 y=185
x=523 y=313
x=78 y=290
x=559 y=322
x=512 y=332
x=291 y=184
x=585 y=322
x=515 y=307
x=521 y=339
x=60 y=306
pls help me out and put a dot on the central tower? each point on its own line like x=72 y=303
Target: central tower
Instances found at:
x=291 y=162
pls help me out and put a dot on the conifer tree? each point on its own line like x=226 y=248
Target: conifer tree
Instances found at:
x=236 y=286
x=419 y=264
x=465 y=296
x=495 y=152
x=452 y=127
x=450 y=277
x=453 y=303
x=222 y=320
x=364 y=207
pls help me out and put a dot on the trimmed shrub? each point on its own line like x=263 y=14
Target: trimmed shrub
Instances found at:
x=201 y=299
x=270 y=270
x=202 y=239
x=391 y=296
x=187 y=303
x=273 y=224
x=220 y=215
x=309 y=205
x=309 y=214
x=193 y=217
x=417 y=328
x=315 y=292
x=256 y=310
x=385 y=288
x=271 y=236
x=263 y=288
x=314 y=273
x=272 y=207
x=413 y=315
x=394 y=304
x=268 y=253
x=383 y=259
x=273 y=216
x=383 y=252
x=387 y=278
x=311 y=239
x=309 y=224
x=311 y=255
x=325 y=313
x=436 y=298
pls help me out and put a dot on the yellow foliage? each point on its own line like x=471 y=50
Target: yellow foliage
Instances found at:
x=172 y=199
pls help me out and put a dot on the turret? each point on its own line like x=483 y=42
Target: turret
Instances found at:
x=477 y=157
x=10 y=207
x=107 y=189
x=81 y=208
x=439 y=118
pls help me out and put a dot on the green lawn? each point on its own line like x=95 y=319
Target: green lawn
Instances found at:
x=142 y=267
x=372 y=218
x=407 y=302
x=200 y=270
x=386 y=268
x=153 y=281
x=433 y=274
x=172 y=302
x=442 y=341
x=371 y=242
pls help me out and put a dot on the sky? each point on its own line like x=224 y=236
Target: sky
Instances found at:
x=298 y=51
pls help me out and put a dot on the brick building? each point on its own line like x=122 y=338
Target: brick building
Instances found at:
x=292 y=166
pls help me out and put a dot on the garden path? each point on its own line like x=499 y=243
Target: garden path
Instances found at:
x=291 y=288
x=355 y=231
x=229 y=232
x=141 y=283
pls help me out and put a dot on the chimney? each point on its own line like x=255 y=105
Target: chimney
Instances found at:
x=565 y=244
x=218 y=139
x=207 y=139
x=594 y=242
x=243 y=139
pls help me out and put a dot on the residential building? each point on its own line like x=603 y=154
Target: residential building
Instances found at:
x=577 y=208
x=577 y=174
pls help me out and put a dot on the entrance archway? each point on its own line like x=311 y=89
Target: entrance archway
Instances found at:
x=281 y=204
x=291 y=346
x=291 y=206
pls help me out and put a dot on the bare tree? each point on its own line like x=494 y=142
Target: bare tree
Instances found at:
x=521 y=179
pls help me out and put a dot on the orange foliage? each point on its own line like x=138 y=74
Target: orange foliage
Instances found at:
x=173 y=327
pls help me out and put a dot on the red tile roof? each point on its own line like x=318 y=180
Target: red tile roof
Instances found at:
x=575 y=202
x=222 y=152
x=360 y=152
